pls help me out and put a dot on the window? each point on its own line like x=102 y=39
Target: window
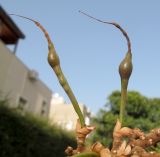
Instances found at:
x=43 y=109
x=44 y=103
x=42 y=112
x=22 y=103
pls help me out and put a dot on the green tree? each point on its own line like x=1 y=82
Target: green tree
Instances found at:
x=141 y=112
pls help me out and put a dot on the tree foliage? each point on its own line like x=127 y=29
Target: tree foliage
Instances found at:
x=141 y=112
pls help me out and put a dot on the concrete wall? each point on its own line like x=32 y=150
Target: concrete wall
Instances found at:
x=64 y=115
x=29 y=94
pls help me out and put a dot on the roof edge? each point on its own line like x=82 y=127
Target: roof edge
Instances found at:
x=6 y=18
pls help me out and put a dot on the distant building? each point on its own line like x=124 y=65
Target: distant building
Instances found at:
x=18 y=83
x=64 y=115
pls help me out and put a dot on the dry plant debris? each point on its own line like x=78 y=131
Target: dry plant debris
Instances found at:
x=127 y=142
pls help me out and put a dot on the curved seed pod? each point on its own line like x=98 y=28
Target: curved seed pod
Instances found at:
x=125 y=67
x=54 y=62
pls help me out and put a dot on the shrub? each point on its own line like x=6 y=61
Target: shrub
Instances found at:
x=27 y=136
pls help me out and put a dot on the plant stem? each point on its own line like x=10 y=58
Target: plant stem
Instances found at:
x=124 y=84
x=54 y=62
x=69 y=92
x=125 y=67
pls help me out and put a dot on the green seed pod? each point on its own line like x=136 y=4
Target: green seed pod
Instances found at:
x=125 y=67
x=54 y=62
x=125 y=70
x=53 y=58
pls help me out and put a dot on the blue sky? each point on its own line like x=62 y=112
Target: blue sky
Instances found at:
x=90 y=52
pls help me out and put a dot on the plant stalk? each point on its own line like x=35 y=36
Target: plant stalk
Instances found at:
x=69 y=92
x=54 y=62
x=125 y=67
x=124 y=84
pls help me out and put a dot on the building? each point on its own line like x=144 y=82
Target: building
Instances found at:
x=64 y=115
x=18 y=83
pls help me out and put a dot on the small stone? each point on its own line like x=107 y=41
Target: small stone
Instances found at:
x=150 y=141
x=142 y=137
x=158 y=131
x=152 y=152
x=127 y=150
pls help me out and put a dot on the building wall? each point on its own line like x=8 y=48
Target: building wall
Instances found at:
x=29 y=94
x=64 y=115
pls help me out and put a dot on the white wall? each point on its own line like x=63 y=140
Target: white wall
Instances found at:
x=15 y=84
